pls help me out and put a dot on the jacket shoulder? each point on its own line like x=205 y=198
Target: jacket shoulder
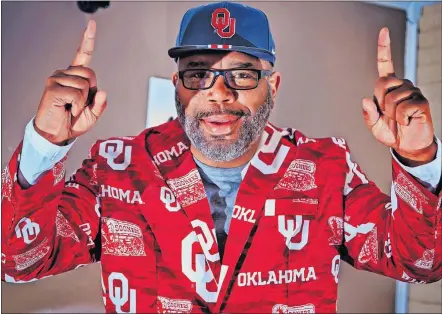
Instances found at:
x=163 y=129
x=324 y=145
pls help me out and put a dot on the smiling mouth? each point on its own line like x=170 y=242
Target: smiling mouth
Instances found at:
x=223 y=124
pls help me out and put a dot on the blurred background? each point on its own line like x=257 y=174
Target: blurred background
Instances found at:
x=326 y=52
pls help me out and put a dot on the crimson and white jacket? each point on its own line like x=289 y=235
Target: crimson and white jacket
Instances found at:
x=138 y=206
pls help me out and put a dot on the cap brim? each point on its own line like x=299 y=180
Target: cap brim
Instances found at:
x=182 y=51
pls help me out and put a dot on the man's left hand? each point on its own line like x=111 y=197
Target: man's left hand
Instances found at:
x=399 y=115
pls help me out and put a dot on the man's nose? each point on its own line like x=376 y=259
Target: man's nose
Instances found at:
x=220 y=92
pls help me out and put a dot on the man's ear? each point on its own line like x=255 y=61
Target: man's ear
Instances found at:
x=274 y=82
x=175 y=79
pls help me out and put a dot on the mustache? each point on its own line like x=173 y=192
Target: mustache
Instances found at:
x=209 y=113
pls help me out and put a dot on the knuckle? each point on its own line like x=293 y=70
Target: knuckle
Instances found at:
x=384 y=79
x=75 y=95
x=420 y=99
x=57 y=92
x=392 y=80
x=408 y=82
x=84 y=84
x=90 y=72
x=404 y=104
x=52 y=89
x=57 y=73
x=75 y=67
x=416 y=90
x=83 y=71
x=50 y=81
x=389 y=100
x=78 y=95
x=400 y=90
x=403 y=91
x=381 y=83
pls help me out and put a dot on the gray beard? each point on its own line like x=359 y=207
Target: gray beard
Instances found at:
x=217 y=148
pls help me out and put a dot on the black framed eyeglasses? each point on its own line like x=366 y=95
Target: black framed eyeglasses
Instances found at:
x=240 y=79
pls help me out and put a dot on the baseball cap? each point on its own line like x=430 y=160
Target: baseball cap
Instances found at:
x=226 y=26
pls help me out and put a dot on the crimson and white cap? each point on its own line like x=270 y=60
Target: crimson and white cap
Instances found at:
x=225 y=26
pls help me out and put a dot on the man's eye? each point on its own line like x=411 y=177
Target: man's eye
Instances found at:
x=198 y=75
x=243 y=75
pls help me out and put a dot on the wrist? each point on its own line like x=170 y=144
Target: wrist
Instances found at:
x=419 y=157
x=49 y=137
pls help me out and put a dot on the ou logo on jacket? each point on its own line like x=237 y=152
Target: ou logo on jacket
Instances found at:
x=269 y=145
x=221 y=20
x=336 y=262
x=200 y=276
x=168 y=198
x=290 y=230
x=29 y=229
x=112 y=149
x=119 y=292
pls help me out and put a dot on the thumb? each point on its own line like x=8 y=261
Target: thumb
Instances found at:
x=99 y=104
x=370 y=112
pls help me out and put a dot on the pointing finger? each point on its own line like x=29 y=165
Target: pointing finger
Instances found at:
x=385 y=64
x=84 y=53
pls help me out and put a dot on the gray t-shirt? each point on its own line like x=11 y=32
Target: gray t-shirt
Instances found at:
x=221 y=186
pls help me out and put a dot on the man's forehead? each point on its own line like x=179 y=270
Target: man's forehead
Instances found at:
x=219 y=60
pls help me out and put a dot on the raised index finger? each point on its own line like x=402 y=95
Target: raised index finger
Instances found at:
x=385 y=64
x=84 y=52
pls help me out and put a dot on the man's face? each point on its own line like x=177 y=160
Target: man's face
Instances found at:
x=221 y=122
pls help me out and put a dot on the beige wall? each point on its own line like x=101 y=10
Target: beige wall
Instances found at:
x=428 y=298
x=429 y=69
x=326 y=52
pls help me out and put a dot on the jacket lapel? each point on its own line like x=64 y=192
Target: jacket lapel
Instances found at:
x=171 y=154
x=259 y=178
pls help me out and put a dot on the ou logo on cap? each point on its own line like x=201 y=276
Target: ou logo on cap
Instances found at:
x=221 y=21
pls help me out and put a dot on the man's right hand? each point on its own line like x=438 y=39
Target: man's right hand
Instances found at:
x=71 y=102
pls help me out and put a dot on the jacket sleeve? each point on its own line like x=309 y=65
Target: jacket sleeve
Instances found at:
x=51 y=227
x=399 y=237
